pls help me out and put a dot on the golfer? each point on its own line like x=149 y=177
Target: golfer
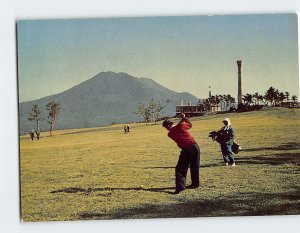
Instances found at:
x=189 y=155
x=227 y=133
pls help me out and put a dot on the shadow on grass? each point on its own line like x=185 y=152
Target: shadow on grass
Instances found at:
x=240 y=204
x=285 y=157
x=243 y=204
x=272 y=159
x=201 y=166
x=159 y=167
x=91 y=190
x=285 y=146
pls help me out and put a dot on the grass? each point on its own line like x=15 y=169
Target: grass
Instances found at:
x=102 y=173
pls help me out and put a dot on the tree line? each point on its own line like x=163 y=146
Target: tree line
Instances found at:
x=53 y=109
x=272 y=97
x=227 y=101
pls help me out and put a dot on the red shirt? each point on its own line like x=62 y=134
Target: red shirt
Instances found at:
x=180 y=134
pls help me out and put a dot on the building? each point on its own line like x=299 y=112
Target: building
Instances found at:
x=191 y=110
x=196 y=110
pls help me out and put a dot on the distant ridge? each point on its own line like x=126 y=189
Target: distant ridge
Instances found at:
x=104 y=99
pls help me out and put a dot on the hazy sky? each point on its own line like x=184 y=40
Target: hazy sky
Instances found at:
x=185 y=54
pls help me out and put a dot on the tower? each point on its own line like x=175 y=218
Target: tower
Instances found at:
x=239 y=64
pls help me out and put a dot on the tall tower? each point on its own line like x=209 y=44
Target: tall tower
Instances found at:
x=239 y=64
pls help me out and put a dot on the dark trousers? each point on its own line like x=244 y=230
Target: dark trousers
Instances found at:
x=227 y=152
x=189 y=157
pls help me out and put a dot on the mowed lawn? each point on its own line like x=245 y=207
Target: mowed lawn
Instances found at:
x=102 y=173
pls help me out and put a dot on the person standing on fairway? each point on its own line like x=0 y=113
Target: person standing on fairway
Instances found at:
x=227 y=134
x=189 y=155
x=31 y=133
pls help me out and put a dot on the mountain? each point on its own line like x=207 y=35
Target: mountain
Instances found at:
x=102 y=100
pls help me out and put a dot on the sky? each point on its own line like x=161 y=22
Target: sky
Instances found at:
x=192 y=54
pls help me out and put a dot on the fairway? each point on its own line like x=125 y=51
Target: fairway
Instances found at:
x=102 y=173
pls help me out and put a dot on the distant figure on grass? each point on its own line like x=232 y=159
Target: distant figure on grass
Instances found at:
x=189 y=155
x=37 y=134
x=31 y=133
x=126 y=128
x=227 y=134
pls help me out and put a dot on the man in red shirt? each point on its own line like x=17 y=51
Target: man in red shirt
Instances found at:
x=189 y=155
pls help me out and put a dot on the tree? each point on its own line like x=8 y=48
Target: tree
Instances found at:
x=158 y=111
x=256 y=98
x=248 y=99
x=155 y=110
x=152 y=109
x=276 y=97
x=223 y=101
x=207 y=104
x=287 y=96
x=144 y=112
x=218 y=99
x=261 y=100
x=294 y=98
x=212 y=100
x=281 y=97
x=152 y=112
x=53 y=108
x=35 y=115
x=231 y=101
x=270 y=96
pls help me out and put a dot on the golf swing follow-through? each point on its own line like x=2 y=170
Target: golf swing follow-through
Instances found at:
x=189 y=155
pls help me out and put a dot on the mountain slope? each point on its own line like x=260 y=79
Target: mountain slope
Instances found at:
x=104 y=99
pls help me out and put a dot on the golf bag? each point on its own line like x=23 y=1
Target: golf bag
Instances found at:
x=219 y=137
x=235 y=147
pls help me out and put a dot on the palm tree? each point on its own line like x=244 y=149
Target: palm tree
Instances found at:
x=217 y=100
x=270 y=96
x=294 y=99
x=225 y=101
x=260 y=99
x=281 y=97
x=248 y=99
x=256 y=97
x=53 y=108
x=231 y=100
x=212 y=99
x=276 y=97
x=287 y=96
x=207 y=104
